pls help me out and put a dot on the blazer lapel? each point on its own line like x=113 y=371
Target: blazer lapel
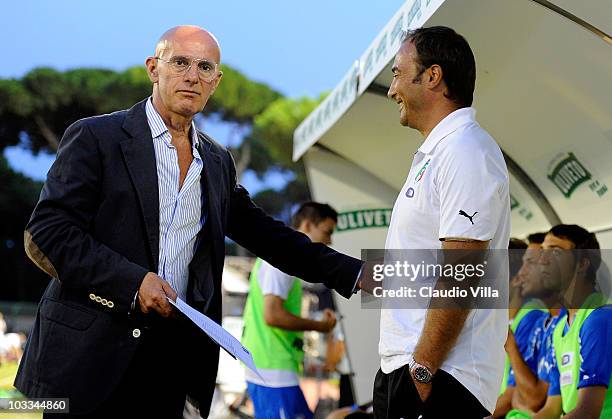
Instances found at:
x=201 y=286
x=139 y=155
x=211 y=173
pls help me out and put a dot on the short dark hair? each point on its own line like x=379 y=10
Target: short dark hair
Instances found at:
x=315 y=212
x=584 y=241
x=516 y=244
x=445 y=47
x=536 y=238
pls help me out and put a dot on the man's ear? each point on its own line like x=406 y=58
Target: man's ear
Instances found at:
x=216 y=82
x=583 y=266
x=152 y=69
x=434 y=76
x=306 y=226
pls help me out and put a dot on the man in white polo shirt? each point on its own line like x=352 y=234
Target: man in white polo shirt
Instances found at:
x=441 y=363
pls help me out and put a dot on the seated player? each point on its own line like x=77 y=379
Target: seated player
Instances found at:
x=530 y=388
x=582 y=339
x=524 y=315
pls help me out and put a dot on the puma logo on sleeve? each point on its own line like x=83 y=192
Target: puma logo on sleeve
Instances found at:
x=465 y=214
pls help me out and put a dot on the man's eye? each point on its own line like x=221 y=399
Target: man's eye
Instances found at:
x=180 y=61
x=205 y=66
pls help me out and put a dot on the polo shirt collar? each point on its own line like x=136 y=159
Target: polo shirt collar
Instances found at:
x=450 y=123
x=158 y=126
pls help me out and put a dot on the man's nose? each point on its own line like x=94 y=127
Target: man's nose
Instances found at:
x=192 y=73
x=518 y=278
x=391 y=92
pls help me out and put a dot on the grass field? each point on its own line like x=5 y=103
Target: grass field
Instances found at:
x=7 y=376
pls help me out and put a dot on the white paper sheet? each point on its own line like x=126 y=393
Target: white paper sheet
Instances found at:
x=218 y=334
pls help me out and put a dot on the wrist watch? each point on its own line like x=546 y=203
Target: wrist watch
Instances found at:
x=419 y=372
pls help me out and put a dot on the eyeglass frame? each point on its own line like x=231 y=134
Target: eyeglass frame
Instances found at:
x=191 y=61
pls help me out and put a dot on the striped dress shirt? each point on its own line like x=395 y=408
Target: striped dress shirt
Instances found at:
x=180 y=210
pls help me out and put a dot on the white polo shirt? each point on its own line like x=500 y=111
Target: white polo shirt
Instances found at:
x=459 y=167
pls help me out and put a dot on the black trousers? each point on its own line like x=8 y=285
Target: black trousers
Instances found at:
x=154 y=384
x=395 y=397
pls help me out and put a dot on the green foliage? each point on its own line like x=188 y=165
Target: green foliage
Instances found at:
x=121 y=90
x=15 y=105
x=281 y=203
x=272 y=149
x=14 y=98
x=274 y=128
x=47 y=88
x=272 y=201
x=18 y=195
x=45 y=101
x=239 y=99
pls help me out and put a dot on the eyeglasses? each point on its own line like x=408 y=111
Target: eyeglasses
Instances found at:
x=207 y=70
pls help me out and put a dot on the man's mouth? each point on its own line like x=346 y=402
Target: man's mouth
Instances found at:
x=188 y=92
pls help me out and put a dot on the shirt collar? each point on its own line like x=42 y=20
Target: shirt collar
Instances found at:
x=158 y=126
x=446 y=126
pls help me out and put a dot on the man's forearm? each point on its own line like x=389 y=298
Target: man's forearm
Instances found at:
x=582 y=412
x=440 y=332
x=278 y=244
x=526 y=380
x=444 y=325
x=288 y=321
x=590 y=403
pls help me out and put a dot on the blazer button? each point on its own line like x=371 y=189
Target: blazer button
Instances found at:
x=104 y=301
x=136 y=333
x=92 y=296
x=111 y=304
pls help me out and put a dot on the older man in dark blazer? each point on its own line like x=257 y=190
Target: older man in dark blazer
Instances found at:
x=135 y=210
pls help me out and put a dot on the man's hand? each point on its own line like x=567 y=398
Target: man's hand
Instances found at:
x=423 y=389
x=366 y=282
x=328 y=322
x=153 y=295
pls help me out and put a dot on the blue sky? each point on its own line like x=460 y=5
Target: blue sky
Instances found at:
x=299 y=48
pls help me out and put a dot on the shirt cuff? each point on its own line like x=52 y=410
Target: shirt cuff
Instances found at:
x=593 y=381
x=356 y=287
x=133 y=306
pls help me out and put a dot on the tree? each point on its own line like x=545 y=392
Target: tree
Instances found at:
x=36 y=109
x=271 y=140
x=21 y=280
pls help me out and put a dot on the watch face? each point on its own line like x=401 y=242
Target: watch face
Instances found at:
x=421 y=374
